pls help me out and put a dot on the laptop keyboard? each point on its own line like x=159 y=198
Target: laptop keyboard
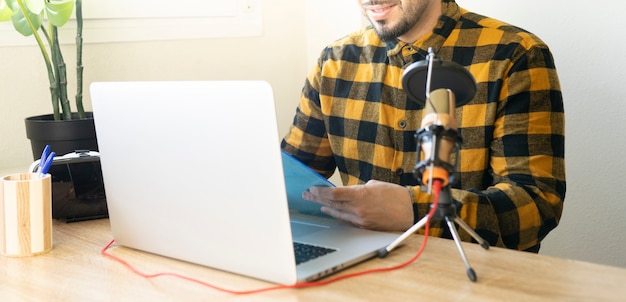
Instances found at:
x=305 y=252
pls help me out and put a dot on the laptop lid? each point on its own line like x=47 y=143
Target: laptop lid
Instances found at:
x=193 y=171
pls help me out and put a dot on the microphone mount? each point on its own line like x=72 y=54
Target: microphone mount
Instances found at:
x=432 y=136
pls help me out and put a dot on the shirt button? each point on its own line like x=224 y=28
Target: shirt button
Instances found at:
x=402 y=124
x=400 y=171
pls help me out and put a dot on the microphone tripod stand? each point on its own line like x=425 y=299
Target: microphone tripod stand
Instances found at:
x=445 y=206
x=447 y=210
x=451 y=85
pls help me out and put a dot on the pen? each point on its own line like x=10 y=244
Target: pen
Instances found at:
x=47 y=164
x=44 y=156
x=45 y=161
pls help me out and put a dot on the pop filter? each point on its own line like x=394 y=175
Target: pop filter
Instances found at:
x=447 y=75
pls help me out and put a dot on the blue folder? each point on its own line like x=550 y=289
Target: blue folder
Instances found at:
x=299 y=178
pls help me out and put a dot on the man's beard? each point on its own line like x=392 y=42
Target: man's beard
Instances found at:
x=410 y=17
x=390 y=34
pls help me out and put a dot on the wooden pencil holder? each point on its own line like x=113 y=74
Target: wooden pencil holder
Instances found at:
x=25 y=214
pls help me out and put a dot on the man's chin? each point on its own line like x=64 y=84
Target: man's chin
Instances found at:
x=385 y=35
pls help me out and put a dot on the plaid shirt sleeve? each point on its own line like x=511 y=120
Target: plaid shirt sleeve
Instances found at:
x=354 y=116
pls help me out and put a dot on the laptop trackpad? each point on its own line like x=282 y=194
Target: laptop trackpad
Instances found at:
x=300 y=229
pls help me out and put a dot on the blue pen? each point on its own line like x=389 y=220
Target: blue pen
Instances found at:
x=44 y=156
x=46 y=165
x=46 y=161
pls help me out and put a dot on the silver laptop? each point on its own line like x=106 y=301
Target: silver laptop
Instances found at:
x=193 y=171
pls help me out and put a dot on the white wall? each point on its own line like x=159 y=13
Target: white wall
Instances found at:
x=327 y=21
x=587 y=41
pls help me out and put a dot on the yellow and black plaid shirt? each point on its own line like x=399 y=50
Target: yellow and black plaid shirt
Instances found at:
x=354 y=115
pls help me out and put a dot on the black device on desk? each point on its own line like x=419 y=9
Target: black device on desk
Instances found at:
x=77 y=187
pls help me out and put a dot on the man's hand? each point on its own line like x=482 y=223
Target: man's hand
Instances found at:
x=375 y=205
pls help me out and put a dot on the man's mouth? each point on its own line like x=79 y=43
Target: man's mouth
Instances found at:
x=379 y=11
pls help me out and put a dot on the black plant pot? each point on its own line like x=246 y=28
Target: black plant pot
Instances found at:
x=62 y=136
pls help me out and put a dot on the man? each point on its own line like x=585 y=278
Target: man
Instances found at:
x=354 y=116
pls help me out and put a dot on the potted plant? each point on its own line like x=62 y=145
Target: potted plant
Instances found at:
x=64 y=130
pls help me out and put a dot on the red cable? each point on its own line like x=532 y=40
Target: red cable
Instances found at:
x=436 y=191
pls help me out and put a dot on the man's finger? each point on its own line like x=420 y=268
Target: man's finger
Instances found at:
x=341 y=215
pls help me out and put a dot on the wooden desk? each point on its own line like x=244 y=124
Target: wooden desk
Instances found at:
x=76 y=271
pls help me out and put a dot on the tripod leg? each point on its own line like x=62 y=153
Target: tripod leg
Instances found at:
x=473 y=233
x=383 y=252
x=455 y=235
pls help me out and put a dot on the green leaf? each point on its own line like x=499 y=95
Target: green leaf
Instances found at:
x=5 y=11
x=21 y=24
x=34 y=6
x=12 y=4
x=59 y=11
